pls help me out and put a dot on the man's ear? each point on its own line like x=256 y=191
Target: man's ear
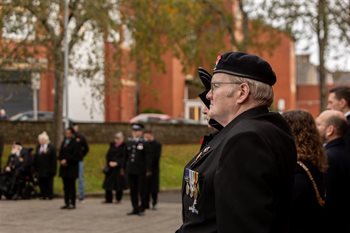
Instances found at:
x=330 y=130
x=244 y=92
x=342 y=102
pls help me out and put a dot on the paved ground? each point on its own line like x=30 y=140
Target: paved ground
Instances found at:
x=36 y=216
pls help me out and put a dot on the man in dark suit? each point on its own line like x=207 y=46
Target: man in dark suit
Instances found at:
x=153 y=181
x=339 y=99
x=138 y=166
x=332 y=126
x=69 y=157
x=242 y=180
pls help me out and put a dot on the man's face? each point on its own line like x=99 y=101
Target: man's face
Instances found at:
x=148 y=137
x=68 y=134
x=136 y=133
x=321 y=127
x=222 y=98
x=334 y=103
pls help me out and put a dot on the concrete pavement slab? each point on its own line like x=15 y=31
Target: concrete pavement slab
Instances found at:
x=40 y=216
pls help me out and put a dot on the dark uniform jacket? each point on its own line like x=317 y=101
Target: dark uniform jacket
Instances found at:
x=45 y=162
x=113 y=178
x=72 y=153
x=338 y=186
x=139 y=159
x=155 y=151
x=307 y=215
x=244 y=177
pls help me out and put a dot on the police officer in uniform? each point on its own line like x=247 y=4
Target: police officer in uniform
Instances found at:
x=138 y=166
x=242 y=179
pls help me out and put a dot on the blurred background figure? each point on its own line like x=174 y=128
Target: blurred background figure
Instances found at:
x=114 y=169
x=84 y=151
x=45 y=165
x=17 y=170
x=69 y=157
x=155 y=149
x=138 y=166
x=2 y=144
x=339 y=99
x=332 y=126
x=3 y=115
x=308 y=213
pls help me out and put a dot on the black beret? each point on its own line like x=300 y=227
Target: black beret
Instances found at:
x=245 y=66
x=137 y=126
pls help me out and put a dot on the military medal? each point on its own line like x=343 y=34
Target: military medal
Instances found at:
x=195 y=185
x=187 y=181
x=191 y=183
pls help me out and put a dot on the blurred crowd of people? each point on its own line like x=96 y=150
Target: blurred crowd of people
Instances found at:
x=322 y=175
x=131 y=163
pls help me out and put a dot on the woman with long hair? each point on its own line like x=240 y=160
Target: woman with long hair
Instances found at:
x=309 y=191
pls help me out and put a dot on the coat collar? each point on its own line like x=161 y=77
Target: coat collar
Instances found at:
x=335 y=142
x=206 y=150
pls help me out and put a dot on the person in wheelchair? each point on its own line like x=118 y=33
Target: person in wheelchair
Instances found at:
x=16 y=172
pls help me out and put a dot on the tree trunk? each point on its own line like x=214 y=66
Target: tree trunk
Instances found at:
x=322 y=37
x=58 y=104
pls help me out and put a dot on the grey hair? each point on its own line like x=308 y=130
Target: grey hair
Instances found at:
x=44 y=136
x=119 y=134
x=261 y=92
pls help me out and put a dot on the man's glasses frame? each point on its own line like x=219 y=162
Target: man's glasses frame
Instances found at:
x=216 y=85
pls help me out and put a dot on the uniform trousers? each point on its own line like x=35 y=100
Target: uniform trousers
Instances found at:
x=69 y=191
x=137 y=191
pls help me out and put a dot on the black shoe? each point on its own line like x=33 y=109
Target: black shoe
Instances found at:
x=106 y=202
x=141 y=213
x=133 y=213
x=64 y=207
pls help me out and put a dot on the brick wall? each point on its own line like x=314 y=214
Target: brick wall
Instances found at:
x=27 y=132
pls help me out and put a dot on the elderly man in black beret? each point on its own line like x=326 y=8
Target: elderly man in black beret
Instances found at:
x=242 y=180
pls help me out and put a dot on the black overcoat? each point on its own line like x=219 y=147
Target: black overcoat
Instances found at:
x=71 y=152
x=84 y=146
x=155 y=151
x=114 y=180
x=245 y=177
x=45 y=163
x=338 y=186
x=307 y=215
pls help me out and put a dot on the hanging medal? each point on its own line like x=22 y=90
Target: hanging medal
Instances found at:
x=187 y=181
x=195 y=185
x=191 y=183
